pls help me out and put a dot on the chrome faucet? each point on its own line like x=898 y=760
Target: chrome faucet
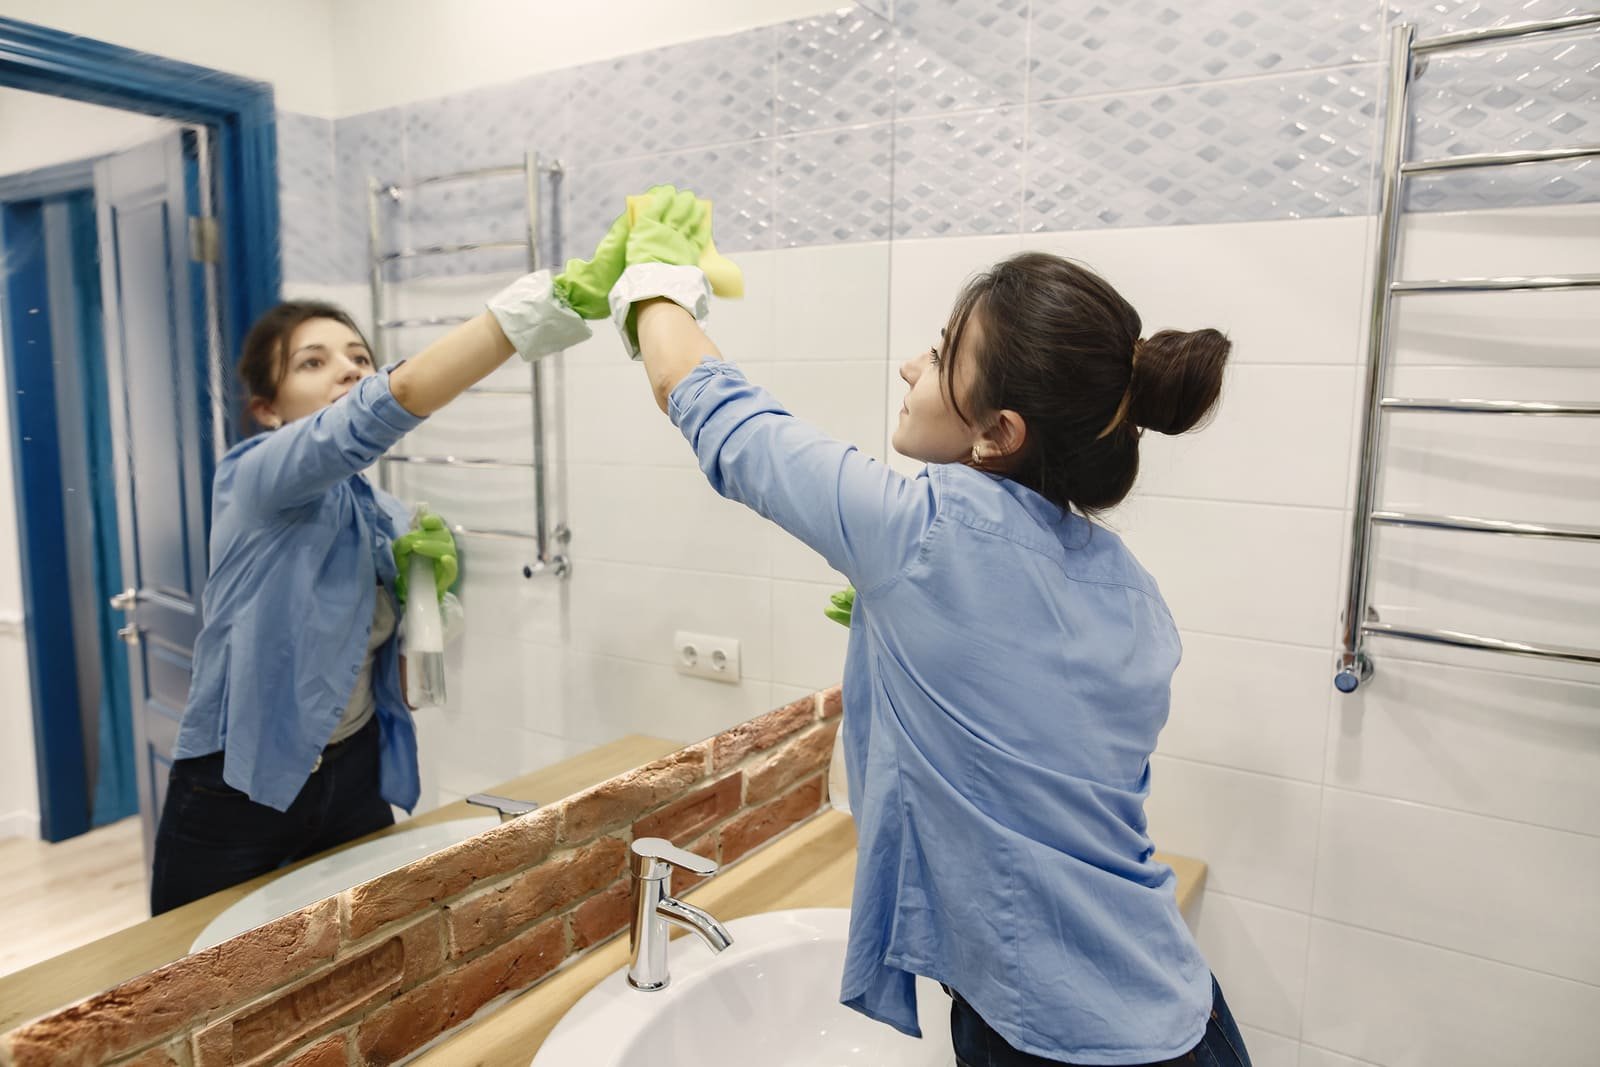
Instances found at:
x=651 y=860
x=508 y=808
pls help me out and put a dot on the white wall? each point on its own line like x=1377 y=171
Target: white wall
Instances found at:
x=395 y=51
x=289 y=43
x=332 y=59
x=40 y=131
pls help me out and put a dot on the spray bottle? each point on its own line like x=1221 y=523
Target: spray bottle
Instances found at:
x=424 y=631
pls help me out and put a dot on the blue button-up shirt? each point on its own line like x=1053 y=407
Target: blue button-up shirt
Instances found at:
x=1009 y=668
x=299 y=544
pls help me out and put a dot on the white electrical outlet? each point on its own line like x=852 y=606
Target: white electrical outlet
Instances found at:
x=706 y=656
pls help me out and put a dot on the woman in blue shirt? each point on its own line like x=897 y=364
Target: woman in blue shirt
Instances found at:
x=1009 y=664
x=296 y=736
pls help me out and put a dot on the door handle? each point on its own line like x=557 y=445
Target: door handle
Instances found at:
x=125 y=599
x=129 y=634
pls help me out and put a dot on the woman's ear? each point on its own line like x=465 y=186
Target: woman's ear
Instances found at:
x=263 y=413
x=1006 y=436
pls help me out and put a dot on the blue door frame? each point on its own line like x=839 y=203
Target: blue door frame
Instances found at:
x=240 y=113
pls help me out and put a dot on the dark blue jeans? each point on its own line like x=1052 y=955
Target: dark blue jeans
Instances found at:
x=213 y=836
x=978 y=1045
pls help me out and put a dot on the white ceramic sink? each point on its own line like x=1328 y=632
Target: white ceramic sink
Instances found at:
x=337 y=872
x=771 y=999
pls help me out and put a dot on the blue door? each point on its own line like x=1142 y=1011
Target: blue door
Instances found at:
x=163 y=461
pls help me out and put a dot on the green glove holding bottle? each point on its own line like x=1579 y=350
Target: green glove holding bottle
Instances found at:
x=430 y=538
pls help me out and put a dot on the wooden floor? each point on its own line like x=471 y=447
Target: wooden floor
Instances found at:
x=54 y=897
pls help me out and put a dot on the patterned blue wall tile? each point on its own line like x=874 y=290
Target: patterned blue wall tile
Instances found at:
x=834 y=70
x=369 y=144
x=1078 y=48
x=958 y=174
x=1433 y=17
x=306 y=198
x=834 y=187
x=954 y=54
x=1526 y=96
x=706 y=92
x=737 y=177
x=1293 y=147
x=489 y=126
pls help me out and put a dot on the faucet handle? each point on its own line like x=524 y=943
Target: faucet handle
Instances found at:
x=654 y=857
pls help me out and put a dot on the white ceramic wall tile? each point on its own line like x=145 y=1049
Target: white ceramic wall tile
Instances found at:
x=663 y=516
x=1258 y=954
x=1256 y=833
x=1268 y=1049
x=613 y=418
x=1240 y=570
x=601 y=698
x=1403 y=1004
x=500 y=602
x=744 y=330
x=631 y=611
x=807 y=647
x=834 y=304
x=844 y=400
x=1284 y=292
x=1473 y=739
x=925 y=276
x=786 y=694
x=1279 y=435
x=1519 y=589
x=1523 y=331
x=1476 y=244
x=793 y=560
x=1253 y=705
x=1533 y=470
x=497 y=681
x=1501 y=890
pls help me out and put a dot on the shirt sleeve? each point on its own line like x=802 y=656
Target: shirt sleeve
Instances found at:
x=298 y=463
x=866 y=519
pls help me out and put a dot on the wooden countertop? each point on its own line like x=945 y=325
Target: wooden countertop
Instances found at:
x=88 y=969
x=813 y=866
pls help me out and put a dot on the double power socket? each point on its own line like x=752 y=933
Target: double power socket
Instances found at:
x=706 y=656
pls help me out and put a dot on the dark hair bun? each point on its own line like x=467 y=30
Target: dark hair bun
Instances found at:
x=1177 y=378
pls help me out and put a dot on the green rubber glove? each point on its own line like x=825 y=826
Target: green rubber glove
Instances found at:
x=430 y=538
x=669 y=226
x=674 y=226
x=841 y=605
x=585 y=284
